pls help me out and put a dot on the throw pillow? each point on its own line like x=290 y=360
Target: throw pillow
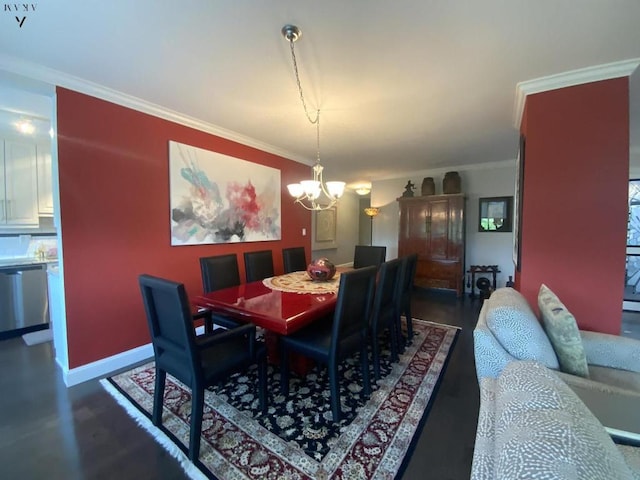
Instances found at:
x=563 y=332
x=516 y=327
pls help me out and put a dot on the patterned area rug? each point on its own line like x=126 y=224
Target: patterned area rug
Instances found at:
x=297 y=439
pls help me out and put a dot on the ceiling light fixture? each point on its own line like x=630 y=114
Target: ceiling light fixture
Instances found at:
x=363 y=190
x=309 y=193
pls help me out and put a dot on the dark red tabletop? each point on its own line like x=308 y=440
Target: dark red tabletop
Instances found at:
x=279 y=312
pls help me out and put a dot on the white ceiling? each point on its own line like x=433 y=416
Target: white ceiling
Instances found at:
x=403 y=86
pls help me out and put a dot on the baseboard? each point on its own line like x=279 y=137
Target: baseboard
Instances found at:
x=631 y=306
x=65 y=370
x=109 y=365
x=18 y=332
x=105 y=366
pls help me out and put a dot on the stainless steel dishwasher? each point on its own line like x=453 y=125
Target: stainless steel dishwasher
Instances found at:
x=23 y=297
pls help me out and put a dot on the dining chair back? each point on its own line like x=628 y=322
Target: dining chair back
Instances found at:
x=386 y=310
x=196 y=361
x=367 y=255
x=329 y=341
x=258 y=265
x=219 y=271
x=294 y=259
x=411 y=262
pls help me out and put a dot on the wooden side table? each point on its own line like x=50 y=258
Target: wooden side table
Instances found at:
x=478 y=269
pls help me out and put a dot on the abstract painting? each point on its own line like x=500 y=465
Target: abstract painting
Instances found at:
x=216 y=198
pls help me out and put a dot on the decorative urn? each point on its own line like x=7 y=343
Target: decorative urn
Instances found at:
x=321 y=270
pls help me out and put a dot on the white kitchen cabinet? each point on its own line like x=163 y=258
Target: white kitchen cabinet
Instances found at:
x=45 y=185
x=18 y=185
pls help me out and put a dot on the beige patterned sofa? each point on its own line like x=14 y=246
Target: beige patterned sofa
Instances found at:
x=531 y=423
x=508 y=330
x=533 y=426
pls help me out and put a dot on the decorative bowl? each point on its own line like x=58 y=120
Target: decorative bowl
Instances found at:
x=321 y=270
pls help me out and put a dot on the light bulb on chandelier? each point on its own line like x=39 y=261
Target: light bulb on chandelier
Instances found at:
x=312 y=194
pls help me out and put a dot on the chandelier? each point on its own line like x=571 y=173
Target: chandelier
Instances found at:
x=312 y=194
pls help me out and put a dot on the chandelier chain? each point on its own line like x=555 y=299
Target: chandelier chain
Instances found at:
x=315 y=121
x=304 y=103
x=310 y=193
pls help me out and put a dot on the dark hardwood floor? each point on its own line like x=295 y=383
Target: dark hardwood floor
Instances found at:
x=53 y=432
x=444 y=449
x=630 y=324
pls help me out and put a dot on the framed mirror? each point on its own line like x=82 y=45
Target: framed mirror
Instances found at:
x=496 y=214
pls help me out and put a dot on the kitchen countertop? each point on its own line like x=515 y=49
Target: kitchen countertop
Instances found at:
x=20 y=261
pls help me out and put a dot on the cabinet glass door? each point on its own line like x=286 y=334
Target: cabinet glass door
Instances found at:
x=21 y=183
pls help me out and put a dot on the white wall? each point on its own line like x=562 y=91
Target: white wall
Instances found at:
x=365 y=223
x=486 y=248
x=495 y=179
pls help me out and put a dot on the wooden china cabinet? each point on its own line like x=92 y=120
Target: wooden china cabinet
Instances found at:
x=433 y=227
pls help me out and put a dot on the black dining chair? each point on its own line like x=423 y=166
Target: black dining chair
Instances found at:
x=331 y=340
x=411 y=263
x=258 y=265
x=219 y=271
x=367 y=255
x=197 y=361
x=294 y=259
x=386 y=310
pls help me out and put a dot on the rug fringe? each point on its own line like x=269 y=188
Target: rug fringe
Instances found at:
x=187 y=465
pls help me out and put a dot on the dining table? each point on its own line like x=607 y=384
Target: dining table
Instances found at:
x=281 y=305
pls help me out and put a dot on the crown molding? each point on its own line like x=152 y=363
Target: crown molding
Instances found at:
x=32 y=72
x=581 y=76
x=457 y=168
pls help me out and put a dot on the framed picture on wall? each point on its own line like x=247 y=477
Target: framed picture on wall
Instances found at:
x=495 y=214
x=517 y=210
x=325 y=229
x=215 y=198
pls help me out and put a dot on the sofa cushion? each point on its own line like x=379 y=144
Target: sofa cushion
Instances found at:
x=543 y=430
x=612 y=351
x=615 y=378
x=631 y=455
x=562 y=330
x=513 y=323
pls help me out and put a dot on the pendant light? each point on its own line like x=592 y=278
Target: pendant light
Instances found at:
x=312 y=194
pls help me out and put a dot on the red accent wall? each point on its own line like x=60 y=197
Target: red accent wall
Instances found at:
x=575 y=200
x=114 y=206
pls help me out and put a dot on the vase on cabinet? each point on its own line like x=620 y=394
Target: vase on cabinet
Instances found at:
x=428 y=186
x=451 y=183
